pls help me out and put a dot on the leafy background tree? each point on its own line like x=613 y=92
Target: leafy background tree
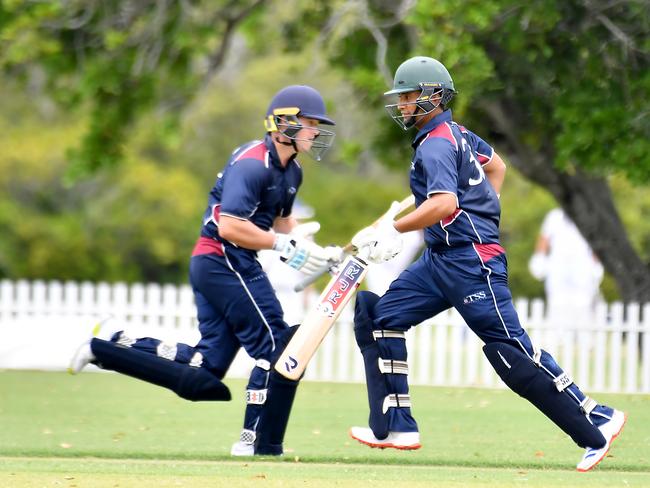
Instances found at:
x=117 y=115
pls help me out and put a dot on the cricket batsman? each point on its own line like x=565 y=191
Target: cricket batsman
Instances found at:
x=456 y=178
x=249 y=209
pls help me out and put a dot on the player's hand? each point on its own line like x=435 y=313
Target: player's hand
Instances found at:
x=306 y=230
x=305 y=255
x=383 y=242
x=378 y=245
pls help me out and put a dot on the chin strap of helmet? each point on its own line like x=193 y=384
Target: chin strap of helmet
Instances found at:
x=292 y=144
x=413 y=118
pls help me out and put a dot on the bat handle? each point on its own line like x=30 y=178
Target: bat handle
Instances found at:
x=308 y=280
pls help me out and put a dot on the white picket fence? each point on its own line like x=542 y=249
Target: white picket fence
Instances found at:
x=41 y=324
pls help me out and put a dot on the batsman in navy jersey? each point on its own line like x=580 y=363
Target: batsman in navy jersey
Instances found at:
x=456 y=178
x=249 y=209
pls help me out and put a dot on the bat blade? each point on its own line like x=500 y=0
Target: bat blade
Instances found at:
x=321 y=318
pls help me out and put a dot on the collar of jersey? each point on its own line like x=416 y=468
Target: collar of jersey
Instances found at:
x=273 y=153
x=432 y=124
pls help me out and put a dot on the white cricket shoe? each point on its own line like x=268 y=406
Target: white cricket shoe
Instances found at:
x=104 y=329
x=82 y=357
x=245 y=446
x=610 y=431
x=396 y=440
x=240 y=448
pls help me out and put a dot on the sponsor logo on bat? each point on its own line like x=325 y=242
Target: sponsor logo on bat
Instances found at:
x=291 y=364
x=326 y=309
x=348 y=280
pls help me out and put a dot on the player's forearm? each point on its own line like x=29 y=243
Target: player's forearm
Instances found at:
x=495 y=171
x=245 y=234
x=284 y=225
x=430 y=212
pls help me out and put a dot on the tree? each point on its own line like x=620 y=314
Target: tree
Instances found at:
x=560 y=86
x=117 y=59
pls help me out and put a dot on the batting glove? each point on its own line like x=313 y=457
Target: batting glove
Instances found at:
x=306 y=230
x=303 y=254
x=383 y=242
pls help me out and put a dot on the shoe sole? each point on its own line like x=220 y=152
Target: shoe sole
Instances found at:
x=386 y=445
x=608 y=449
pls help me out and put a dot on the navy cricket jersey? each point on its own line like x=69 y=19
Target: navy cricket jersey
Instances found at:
x=253 y=186
x=449 y=159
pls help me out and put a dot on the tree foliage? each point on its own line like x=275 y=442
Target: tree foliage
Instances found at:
x=117 y=59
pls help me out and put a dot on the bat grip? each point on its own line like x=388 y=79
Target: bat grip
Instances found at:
x=308 y=280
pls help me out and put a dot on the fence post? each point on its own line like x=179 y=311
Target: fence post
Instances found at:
x=440 y=355
x=645 y=350
x=632 y=344
x=120 y=304
x=422 y=350
x=187 y=309
x=615 y=342
x=600 y=349
x=6 y=301
x=55 y=298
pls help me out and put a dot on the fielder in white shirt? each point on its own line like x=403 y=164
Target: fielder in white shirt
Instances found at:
x=570 y=270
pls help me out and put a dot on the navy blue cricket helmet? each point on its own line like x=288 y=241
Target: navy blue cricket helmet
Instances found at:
x=306 y=99
x=299 y=101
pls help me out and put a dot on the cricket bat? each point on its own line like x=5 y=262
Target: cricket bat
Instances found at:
x=320 y=319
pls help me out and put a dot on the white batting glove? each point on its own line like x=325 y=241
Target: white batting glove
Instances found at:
x=378 y=245
x=306 y=230
x=383 y=242
x=303 y=254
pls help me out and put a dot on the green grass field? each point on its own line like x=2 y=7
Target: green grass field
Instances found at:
x=106 y=430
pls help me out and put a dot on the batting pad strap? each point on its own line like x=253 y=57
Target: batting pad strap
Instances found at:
x=562 y=382
x=396 y=401
x=388 y=334
x=587 y=405
x=537 y=357
x=392 y=366
x=263 y=364
x=247 y=436
x=256 y=397
x=197 y=360
x=125 y=341
x=166 y=350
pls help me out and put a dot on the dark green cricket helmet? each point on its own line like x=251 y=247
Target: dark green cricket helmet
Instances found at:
x=426 y=75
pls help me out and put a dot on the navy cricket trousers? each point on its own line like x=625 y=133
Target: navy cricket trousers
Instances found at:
x=473 y=279
x=237 y=307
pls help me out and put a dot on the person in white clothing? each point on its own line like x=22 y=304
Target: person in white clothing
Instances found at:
x=570 y=270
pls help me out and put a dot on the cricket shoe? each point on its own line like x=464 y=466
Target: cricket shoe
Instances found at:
x=407 y=441
x=610 y=431
x=104 y=329
x=245 y=446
